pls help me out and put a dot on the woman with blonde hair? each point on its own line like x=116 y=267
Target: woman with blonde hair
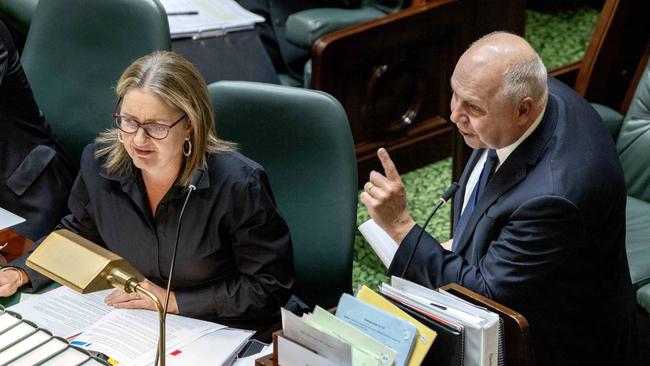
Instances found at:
x=234 y=261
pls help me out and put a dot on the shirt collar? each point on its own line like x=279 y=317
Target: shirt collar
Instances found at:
x=505 y=152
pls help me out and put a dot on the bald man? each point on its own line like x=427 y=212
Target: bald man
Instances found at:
x=540 y=216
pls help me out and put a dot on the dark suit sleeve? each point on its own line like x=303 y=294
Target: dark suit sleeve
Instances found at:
x=78 y=221
x=540 y=235
x=262 y=254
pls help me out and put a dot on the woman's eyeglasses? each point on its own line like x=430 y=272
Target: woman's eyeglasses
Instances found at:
x=154 y=130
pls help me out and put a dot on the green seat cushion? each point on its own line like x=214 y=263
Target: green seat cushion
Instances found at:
x=637 y=241
x=305 y=27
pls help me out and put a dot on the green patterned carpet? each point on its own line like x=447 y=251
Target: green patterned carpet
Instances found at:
x=560 y=38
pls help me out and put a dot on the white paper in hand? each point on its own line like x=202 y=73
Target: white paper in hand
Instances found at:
x=379 y=241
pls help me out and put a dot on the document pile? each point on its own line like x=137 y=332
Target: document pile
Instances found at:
x=467 y=334
x=397 y=327
x=129 y=337
x=207 y=18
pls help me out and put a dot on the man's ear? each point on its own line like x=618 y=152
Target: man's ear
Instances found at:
x=525 y=110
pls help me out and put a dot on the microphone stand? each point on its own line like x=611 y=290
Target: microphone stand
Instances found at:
x=196 y=176
x=443 y=199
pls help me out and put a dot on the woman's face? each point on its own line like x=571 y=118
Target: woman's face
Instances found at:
x=154 y=157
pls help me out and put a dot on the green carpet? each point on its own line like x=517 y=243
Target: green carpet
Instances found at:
x=560 y=38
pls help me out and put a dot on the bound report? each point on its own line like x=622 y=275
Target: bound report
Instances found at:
x=482 y=328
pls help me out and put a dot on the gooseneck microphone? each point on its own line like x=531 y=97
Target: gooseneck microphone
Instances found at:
x=443 y=199
x=196 y=177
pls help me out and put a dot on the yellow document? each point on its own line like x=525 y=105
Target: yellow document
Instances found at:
x=425 y=336
x=366 y=351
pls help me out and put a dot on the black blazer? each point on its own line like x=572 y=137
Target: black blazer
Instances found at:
x=547 y=238
x=35 y=174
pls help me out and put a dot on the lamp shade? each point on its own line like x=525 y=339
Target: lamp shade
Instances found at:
x=79 y=264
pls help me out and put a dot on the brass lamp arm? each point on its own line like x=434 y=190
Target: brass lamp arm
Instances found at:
x=122 y=280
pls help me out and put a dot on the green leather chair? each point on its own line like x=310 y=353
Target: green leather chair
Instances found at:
x=18 y=13
x=305 y=27
x=303 y=140
x=632 y=135
x=74 y=54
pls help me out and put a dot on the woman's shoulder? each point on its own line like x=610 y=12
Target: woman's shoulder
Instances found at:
x=233 y=165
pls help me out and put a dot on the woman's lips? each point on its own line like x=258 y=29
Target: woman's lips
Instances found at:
x=142 y=152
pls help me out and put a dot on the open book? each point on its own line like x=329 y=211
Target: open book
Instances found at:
x=127 y=336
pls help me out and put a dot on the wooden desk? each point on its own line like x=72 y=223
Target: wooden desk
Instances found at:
x=17 y=245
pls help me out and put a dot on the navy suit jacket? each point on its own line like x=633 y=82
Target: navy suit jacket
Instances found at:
x=547 y=239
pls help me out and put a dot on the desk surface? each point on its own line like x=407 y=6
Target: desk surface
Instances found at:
x=235 y=56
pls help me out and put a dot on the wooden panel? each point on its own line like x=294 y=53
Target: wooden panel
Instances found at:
x=613 y=52
x=392 y=76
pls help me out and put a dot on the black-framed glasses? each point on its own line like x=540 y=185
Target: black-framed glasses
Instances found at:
x=154 y=130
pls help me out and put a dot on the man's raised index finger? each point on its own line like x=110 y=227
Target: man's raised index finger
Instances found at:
x=389 y=166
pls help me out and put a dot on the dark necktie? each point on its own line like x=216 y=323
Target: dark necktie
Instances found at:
x=486 y=173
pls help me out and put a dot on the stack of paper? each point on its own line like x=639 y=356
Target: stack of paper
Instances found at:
x=366 y=330
x=206 y=18
x=128 y=336
x=481 y=330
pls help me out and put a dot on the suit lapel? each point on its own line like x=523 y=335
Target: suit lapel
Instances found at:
x=511 y=172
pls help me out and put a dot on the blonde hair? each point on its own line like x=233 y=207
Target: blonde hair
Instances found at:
x=180 y=85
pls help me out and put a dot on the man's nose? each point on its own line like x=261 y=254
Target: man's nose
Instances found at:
x=456 y=114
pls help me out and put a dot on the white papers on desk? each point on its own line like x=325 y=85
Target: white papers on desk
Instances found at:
x=216 y=348
x=212 y=18
x=8 y=219
x=379 y=241
x=129 y=336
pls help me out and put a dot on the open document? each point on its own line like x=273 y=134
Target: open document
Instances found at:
x=206 y=18
x=128 y=336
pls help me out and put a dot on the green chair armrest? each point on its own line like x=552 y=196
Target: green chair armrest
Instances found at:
x=18 y=12
x=643 y=297
x=613 y=120
x=305 y=27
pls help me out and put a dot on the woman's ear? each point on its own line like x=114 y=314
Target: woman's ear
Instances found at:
x=188 y=128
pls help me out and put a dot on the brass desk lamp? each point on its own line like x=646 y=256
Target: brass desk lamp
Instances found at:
x=85 y=267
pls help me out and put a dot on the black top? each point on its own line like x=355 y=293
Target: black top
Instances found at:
x=234 y=260
x=16 y=97
x=35 y=174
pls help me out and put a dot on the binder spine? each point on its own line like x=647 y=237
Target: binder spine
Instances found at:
x=501 y=360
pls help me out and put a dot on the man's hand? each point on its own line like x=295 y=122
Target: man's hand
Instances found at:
x=122 y=300
x=10 y=281
x=448 y=244
x=385 y=198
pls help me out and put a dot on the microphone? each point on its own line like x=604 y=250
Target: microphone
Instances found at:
x=443 y=199
x=196 y=177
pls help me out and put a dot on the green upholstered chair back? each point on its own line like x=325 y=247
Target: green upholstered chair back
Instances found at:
x=633 y=142
x=74 y=54
x=303 y=140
